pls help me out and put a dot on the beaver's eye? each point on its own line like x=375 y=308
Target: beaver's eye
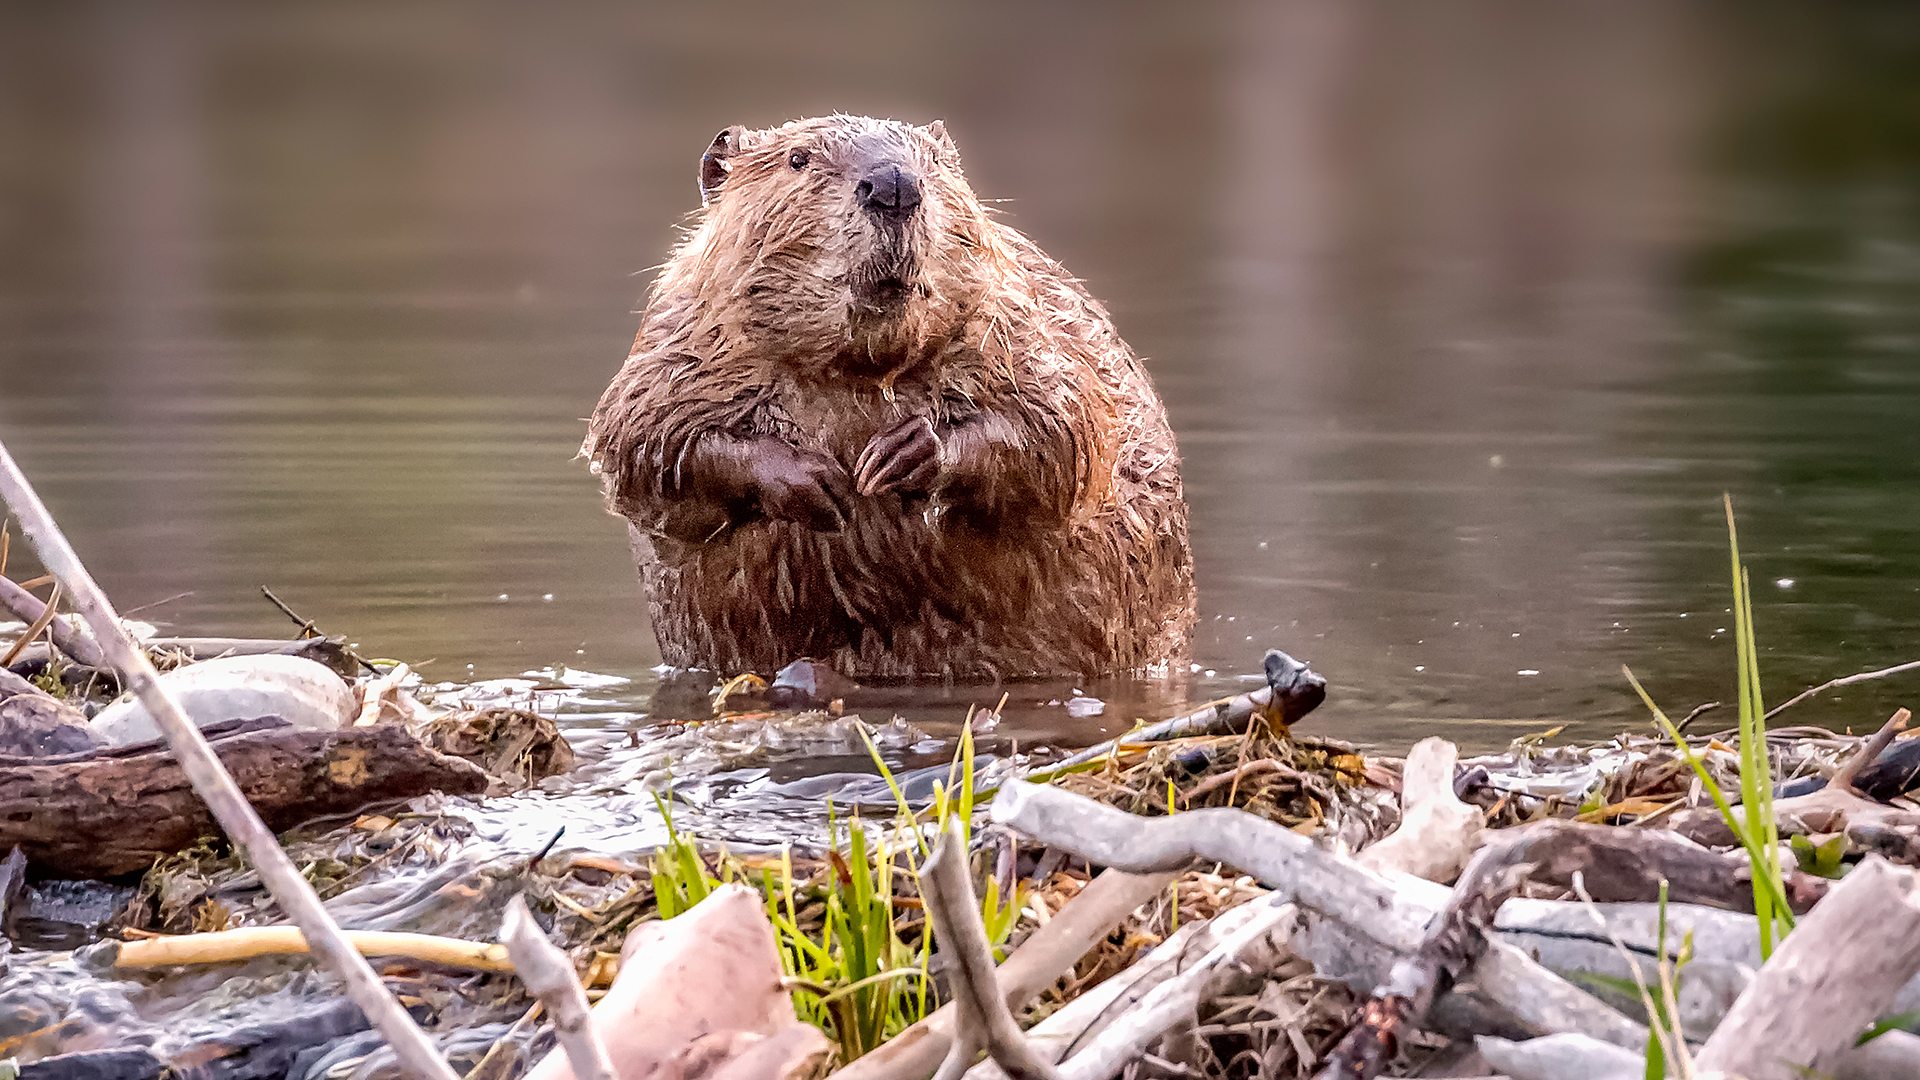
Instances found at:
x=799 y=158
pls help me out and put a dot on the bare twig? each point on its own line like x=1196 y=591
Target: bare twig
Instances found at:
x=550 y=978
x=1844 y=680
x=1699 y=711
x=1041 y=959
x=1454 y=942
x=1869 y=751
x=1561 y=1057
x=309 y=630
x=1437 y=830
x=985 y=1022
x=29 y=609
x=209 y=778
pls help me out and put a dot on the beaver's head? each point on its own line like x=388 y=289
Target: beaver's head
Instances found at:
x=843 y=241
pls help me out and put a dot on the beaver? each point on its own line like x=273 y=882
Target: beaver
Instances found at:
x=866 y=423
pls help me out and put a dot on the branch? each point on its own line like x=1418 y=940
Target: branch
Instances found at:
x=1844 y=680
x=1826 y=982
x=28 y=609
x=1047 y=953
x=295 y=896
x=1356 y=899
x=550 y=978
x=985 y=1022
x=1259 y=945
x=229 y=946
x=1847 y=775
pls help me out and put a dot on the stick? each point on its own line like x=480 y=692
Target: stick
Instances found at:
x=1844 y=680
x=1826 y=982
x=550 y=978
x=295 y=896
x=1046 y=954
x=1063 y=1029
x=1297 y=869
x=985 y=1022
x=1293 y=690
x=309 y=631
x=1561 y=1057
x=29 y=609
x=228 y=946
x=1258 y=945
x=1848 y=774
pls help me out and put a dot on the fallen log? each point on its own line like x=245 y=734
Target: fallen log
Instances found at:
x=1827 y=981
x=113 y=812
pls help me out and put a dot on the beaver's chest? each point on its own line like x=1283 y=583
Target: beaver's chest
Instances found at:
x=839 y=418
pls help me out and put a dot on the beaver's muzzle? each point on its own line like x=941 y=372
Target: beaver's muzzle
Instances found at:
x=889 y=192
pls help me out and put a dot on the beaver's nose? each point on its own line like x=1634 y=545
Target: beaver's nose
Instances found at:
x=889 y=191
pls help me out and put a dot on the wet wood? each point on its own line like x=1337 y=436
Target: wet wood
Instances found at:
x=110 y=813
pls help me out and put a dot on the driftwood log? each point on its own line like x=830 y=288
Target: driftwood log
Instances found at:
x=113 y=812
x=1830 y=978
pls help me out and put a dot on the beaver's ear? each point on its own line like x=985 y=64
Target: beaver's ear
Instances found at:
x=714 y=164
x=937 y=131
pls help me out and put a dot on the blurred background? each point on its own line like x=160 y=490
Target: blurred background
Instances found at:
x=1466 y=315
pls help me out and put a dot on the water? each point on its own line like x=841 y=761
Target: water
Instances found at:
x=1466 y=317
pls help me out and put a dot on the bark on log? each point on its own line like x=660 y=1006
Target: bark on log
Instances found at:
x=1826 y=982
x=104 y=814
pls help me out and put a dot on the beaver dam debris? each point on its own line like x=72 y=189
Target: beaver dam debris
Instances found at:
x=1223 y=894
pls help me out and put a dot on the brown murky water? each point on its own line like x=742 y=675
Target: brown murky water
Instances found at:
x=1466 y=316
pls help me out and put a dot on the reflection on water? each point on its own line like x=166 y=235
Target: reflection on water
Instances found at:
x=1466 y=315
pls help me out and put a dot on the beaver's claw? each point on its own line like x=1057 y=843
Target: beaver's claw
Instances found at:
x=905 y=459
x=799 y=485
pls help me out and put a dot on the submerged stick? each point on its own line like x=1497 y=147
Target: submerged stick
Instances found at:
x=295 y=896
x=985 y=1021
x=549 y=977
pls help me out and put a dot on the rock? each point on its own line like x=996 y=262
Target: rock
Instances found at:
x=304 y=693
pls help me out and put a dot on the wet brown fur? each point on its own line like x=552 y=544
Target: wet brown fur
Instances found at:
x=1054 y=540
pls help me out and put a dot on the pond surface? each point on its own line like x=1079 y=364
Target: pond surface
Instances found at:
x=1466 y=317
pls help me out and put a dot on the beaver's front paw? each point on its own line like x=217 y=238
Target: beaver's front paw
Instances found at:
x=904 y=460
x=799 y=485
